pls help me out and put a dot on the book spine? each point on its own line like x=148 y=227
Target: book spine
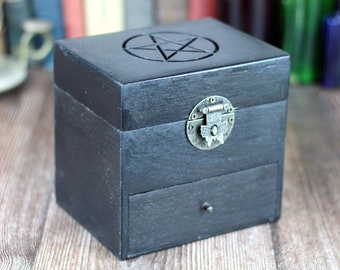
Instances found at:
x=259 y=18
x=273 y=22
x=139 y=13
x=16 y=12
x=202 y=8
x=171 y=11
x=73 y=12
x=103 y=16
x=2 y=31
x=331 y=71
x=231 y=12
x=50 y=10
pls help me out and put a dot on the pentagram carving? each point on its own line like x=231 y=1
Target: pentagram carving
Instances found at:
x=170 y=47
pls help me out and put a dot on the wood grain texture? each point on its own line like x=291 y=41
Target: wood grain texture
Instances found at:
x=133 y=92
x=89 y=85
x=308 y=234
x=88 y=173
x=99 y=162
x=98 y=165
x=256 y=139
x=26 y=169
x=170 y=99
x=37 y=234
x=173 y=215
x=111 y=54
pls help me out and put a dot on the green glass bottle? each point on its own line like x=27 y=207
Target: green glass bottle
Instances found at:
x=302 y=36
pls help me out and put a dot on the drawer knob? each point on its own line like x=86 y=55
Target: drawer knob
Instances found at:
x=207 y=207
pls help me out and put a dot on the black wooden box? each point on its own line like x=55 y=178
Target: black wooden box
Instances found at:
x=169 y=134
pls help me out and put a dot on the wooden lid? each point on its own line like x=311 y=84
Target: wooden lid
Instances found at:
x=166 y=69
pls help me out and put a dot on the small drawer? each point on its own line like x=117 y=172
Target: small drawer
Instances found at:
x=188 y=212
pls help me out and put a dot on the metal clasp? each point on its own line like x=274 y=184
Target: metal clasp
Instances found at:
x=210 y=122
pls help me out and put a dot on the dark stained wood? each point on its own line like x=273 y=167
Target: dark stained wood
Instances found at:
x=88 y=175
x=133 y=93
x=37 y=234
x=256 y=139
x=173 y=215
x=90 y=187
x=166 y=100
x=105 y=53
x=89 y=85
x=124 y=133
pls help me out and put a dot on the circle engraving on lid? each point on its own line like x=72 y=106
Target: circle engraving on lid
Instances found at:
x=170 y=47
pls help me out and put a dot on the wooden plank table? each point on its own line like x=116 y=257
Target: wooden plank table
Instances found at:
x=36 y=234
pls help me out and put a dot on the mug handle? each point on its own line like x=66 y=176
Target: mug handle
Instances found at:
x=33 y=28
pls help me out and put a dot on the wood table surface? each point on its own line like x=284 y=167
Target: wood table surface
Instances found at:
x=37 y=234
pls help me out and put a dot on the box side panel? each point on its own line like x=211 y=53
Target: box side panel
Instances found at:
x=161 y=156
x=171 y=99
x=88 y=178
x=172 y=216
x=87 y=84
x=281 y=156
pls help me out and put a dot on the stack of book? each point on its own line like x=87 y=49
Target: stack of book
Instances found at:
x=74 y=18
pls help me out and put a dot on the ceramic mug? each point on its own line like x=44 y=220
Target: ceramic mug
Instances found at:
x=33 y=28
x=13 y=68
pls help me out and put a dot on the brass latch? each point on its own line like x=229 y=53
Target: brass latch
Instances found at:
x=210 y=122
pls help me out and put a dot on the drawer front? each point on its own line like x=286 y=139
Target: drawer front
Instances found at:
x=174 y=215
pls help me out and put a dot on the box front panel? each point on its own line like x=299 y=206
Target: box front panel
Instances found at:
x=170 y=99
x=161 y=156
x=176 y=215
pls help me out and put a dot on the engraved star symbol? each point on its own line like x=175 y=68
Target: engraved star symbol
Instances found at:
x=170 y=47
x=161 y=45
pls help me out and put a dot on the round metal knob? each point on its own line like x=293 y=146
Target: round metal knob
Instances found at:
x=207 y=207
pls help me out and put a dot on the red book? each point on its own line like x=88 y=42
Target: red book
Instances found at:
x=73 y=11
x=203 y=8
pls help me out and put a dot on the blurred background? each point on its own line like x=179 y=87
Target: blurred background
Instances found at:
x=308 y=29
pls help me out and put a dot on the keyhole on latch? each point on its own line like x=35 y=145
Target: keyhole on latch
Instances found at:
x=214 y=130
